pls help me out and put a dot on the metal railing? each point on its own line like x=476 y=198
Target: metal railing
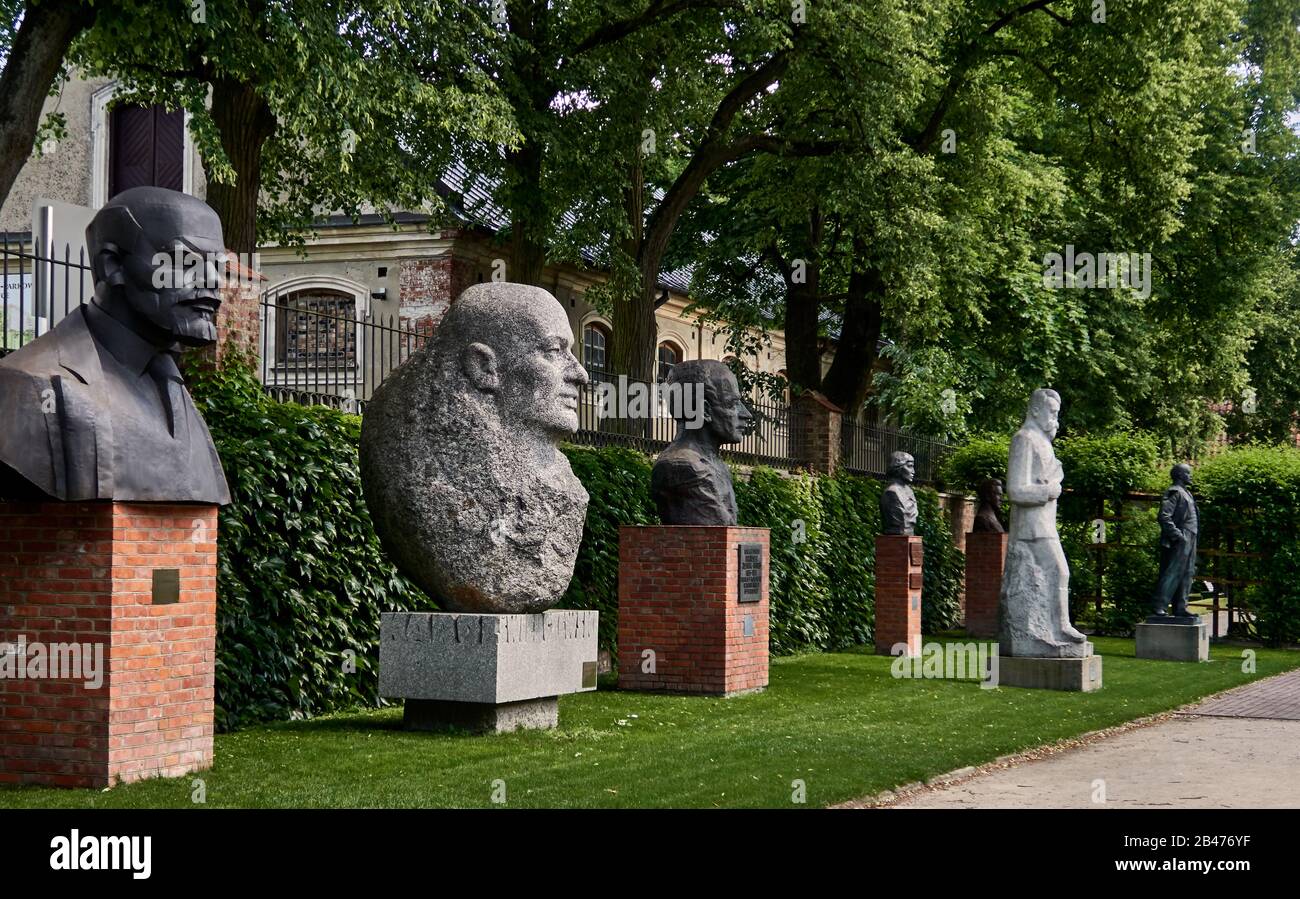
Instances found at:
x=329 y=358
x=38 y=287
x=774 y=440
x=316 y=350
x=866 y=448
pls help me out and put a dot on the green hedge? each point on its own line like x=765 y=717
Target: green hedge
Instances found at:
x=1257 y=491
x=823 y=533
x=301 y=577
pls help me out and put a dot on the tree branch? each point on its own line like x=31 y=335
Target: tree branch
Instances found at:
x=965 y=58
x=658 y=10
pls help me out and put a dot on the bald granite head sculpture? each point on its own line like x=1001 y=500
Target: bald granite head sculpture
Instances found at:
x=469 y=494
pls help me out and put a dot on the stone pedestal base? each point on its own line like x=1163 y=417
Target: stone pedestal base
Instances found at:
x=107 y=641
x=485 y=672
x=682 y=624
x=1174 y=642
x=1078 y=675
x=481 y=717
x=898 y=593
x=986 y=552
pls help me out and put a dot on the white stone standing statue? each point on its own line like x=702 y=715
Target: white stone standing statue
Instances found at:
x=1035 y=608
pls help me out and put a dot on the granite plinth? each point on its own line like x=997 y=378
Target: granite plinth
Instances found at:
x=1174 y=640
x=1070 y=674
x=478 y=671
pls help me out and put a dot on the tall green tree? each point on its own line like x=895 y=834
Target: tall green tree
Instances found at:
x=34 y=37
x=304 y=106
x=983 y=137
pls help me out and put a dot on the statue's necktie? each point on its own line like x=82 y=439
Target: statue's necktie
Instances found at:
x=163 y=370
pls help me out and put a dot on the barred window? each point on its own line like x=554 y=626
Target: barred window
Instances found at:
x=316 y=329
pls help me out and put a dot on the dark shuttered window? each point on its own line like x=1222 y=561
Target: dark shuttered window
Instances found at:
x=146 y=148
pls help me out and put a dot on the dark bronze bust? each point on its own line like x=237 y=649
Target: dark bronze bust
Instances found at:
x=986 y=517
x=690 y=482
x=897 y=501
x=95 y=408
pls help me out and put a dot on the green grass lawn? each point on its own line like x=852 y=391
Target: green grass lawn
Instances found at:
x=837 y=721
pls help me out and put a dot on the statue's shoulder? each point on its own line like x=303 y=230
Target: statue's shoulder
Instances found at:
x=49 y=354
x=678 y=464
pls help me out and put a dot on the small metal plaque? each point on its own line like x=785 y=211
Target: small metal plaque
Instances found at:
x=588 y=675
x=748 y=629
x=916 y=603
x=166 y=586
x=750 y=580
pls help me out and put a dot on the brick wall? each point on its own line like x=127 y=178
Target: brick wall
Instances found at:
x=678 y=595
x=426 y=288
x=985 y=556
x=899 y=562
x=818 y=443
x=83 y=573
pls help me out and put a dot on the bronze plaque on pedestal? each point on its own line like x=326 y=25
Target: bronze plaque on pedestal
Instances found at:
x=750 y=579
x=166 y=586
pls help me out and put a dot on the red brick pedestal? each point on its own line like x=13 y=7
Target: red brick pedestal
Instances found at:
x=681 y=625
x=79 y=580
x=985 y=554
x=898 y=593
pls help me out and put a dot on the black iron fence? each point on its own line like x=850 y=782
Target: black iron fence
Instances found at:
x=39 y=285
x=866 y=448
x=612 y=412
x=315 y=348
x=317 y=351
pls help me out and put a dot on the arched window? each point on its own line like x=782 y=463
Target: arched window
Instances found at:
x=316 y=328
x=785 y=394
x=595 y=343
x=669 y=355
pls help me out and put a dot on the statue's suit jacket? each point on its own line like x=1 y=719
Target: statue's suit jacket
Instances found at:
x=56 y=405
x=689 y=488
x=1177 y=516
x=1032 y=469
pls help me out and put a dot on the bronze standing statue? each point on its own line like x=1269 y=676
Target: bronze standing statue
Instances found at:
x=1179 y=530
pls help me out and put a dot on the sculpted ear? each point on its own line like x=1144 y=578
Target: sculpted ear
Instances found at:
x=108 y=261
x=479 y=363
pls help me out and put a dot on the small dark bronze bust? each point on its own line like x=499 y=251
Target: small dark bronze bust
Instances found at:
x=897 y=501
x=690 y=482
x=986 y=518
x=1179 y=532
x=95 y=408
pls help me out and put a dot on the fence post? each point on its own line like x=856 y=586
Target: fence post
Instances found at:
x=818 y=437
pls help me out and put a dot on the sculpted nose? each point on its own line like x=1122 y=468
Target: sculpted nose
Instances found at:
x=577 y=374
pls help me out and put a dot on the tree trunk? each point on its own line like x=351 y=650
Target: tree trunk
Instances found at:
x=528 y=207
x=245 y=122
x=848 y=382
x=34 y=60
x=636 y=334
x=803 y=358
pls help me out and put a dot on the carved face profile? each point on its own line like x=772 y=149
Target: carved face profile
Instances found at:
x=537 y=377
x=468 y=491
x=1044 y=411
x=727 y=415
x=902 y=467
x=161 y=252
